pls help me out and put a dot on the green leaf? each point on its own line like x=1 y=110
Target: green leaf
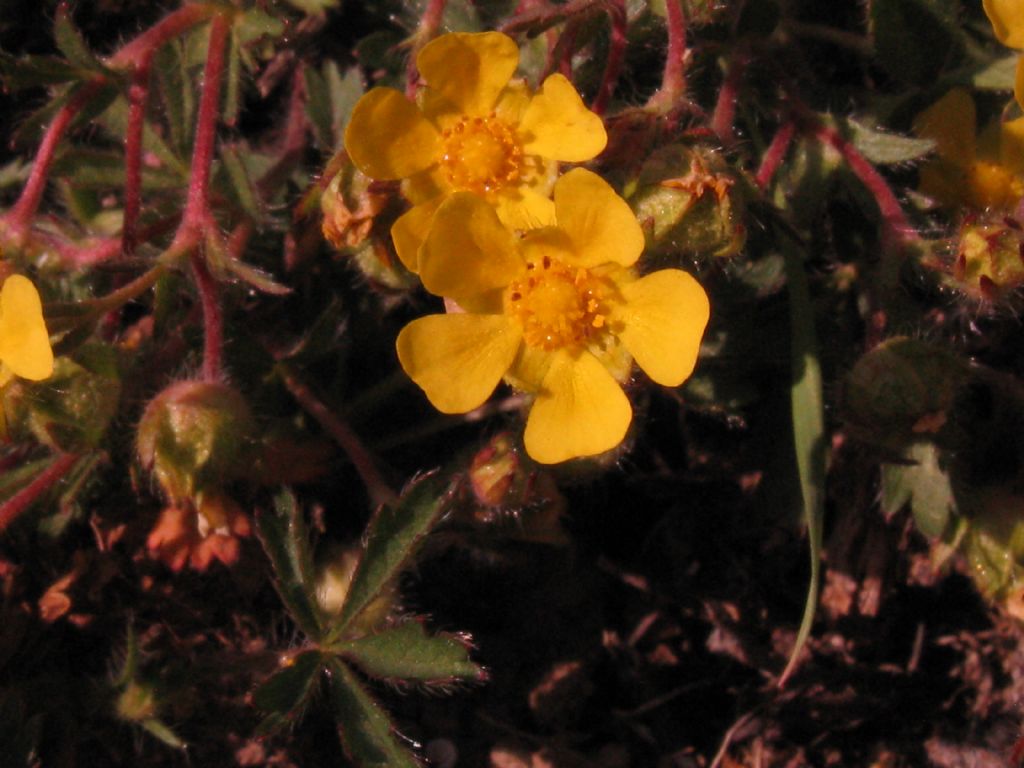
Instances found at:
x=233 y=81
x=287 y=690
x=408 y=652
x=345 y=92
x=365 y=728
x=241 y=186
x=391 y=539
x=885 y=148
x=176 y=94
x=924 y=485
x=100 y=169
x=36 y=71
x=115 y=120
x=71 y=43
x=809 y=439
x=318 y=108
x=286 y=542
x=162 y=732
x=916 y=39
x=224 y=266
x=313 y=7
x=997 y=76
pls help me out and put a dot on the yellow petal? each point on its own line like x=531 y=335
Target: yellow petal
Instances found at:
x=549 y=241
x=426 y=185
x=469 y=70
x=663 y=320
x=1011 y=146
x=1018 y=82
x=524 y=209
x=601 y=224
x=468 y=251
x=24 y=342
x=388 y=138
x=558 y=125
x=458 y=360
x=580 y=411
x=951 y=124
x=528 y=370
x=410 y=231
x=1007 y=17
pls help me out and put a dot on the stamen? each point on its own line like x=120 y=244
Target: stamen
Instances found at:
x=481 y=154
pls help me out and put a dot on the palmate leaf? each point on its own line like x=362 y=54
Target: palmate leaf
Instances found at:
x=286 y=541
x=21 y=72
x=924 y=485
x=408 y=652
x=287 y=690
x=365 y=728
x=391 y=539
x=71 y=43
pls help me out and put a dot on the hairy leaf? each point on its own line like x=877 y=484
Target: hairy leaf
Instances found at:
x=408 y=652
x=285 y=692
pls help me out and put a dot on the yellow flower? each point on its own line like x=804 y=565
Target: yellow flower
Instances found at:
x=24 y=343
x=980 y=172
x=474 y=130
x=1007 y=17
x=558 y=313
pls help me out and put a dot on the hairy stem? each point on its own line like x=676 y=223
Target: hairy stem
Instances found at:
x=380 y=492
x=165 y=30
x=725 y=107
x=13 y=508
x=775 y=154
x=213 y=319
x=19 y=217
x=616 y=54
x=673 y=78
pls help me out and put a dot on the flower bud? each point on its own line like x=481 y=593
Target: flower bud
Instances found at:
x=687 y=203
x=902 y=391
x=71 y=410
x=196 y=436
x=350 y=204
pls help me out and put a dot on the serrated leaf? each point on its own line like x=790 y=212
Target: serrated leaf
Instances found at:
x=365 y=728
x=408 y=652
x=391 y=538
x=162 y=732
x=809 y=439
x=318 y=108
x=286 y=542
x=345 y=92
x=115 y=120
x=98 y=169
x=176 y=95
x=71 y=43
x=240 y=184
x=997 y=76
x=923 y=485
x=883 y=148
x=916 y=39
x=36 y=71
x=287 y=690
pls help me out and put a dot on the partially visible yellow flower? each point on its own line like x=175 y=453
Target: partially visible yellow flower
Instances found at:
x=559 y=313
x=24 y=343
x=474 y=129
x=980 y=172
x=1007 y=17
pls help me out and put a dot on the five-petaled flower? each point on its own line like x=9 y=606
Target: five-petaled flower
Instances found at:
x=980 y=172
x=1007 y=18
x=24 y=343
x=474 y=129
x=559 y=313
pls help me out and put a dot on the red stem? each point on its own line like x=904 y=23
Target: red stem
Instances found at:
x=197 y=203
x=775 y=154
x=213 y=320
x=673 y=79
x=380 y=492
x=25 y=208
x=896 y=228
x=725 y=108
x=12 y=509
x=138 y=94
x=430 y=22
x=616 y=54
x=163 y=31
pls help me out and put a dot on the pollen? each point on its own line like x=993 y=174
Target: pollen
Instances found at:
x=481 y=154
x=557 y=305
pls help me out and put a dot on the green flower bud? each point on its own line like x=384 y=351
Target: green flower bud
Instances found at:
x=687 y=203
x=71 y=410
x=196 y=436
x=902 y=391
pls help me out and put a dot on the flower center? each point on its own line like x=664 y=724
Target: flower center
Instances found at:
x=558 y=305
x=481 y=154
